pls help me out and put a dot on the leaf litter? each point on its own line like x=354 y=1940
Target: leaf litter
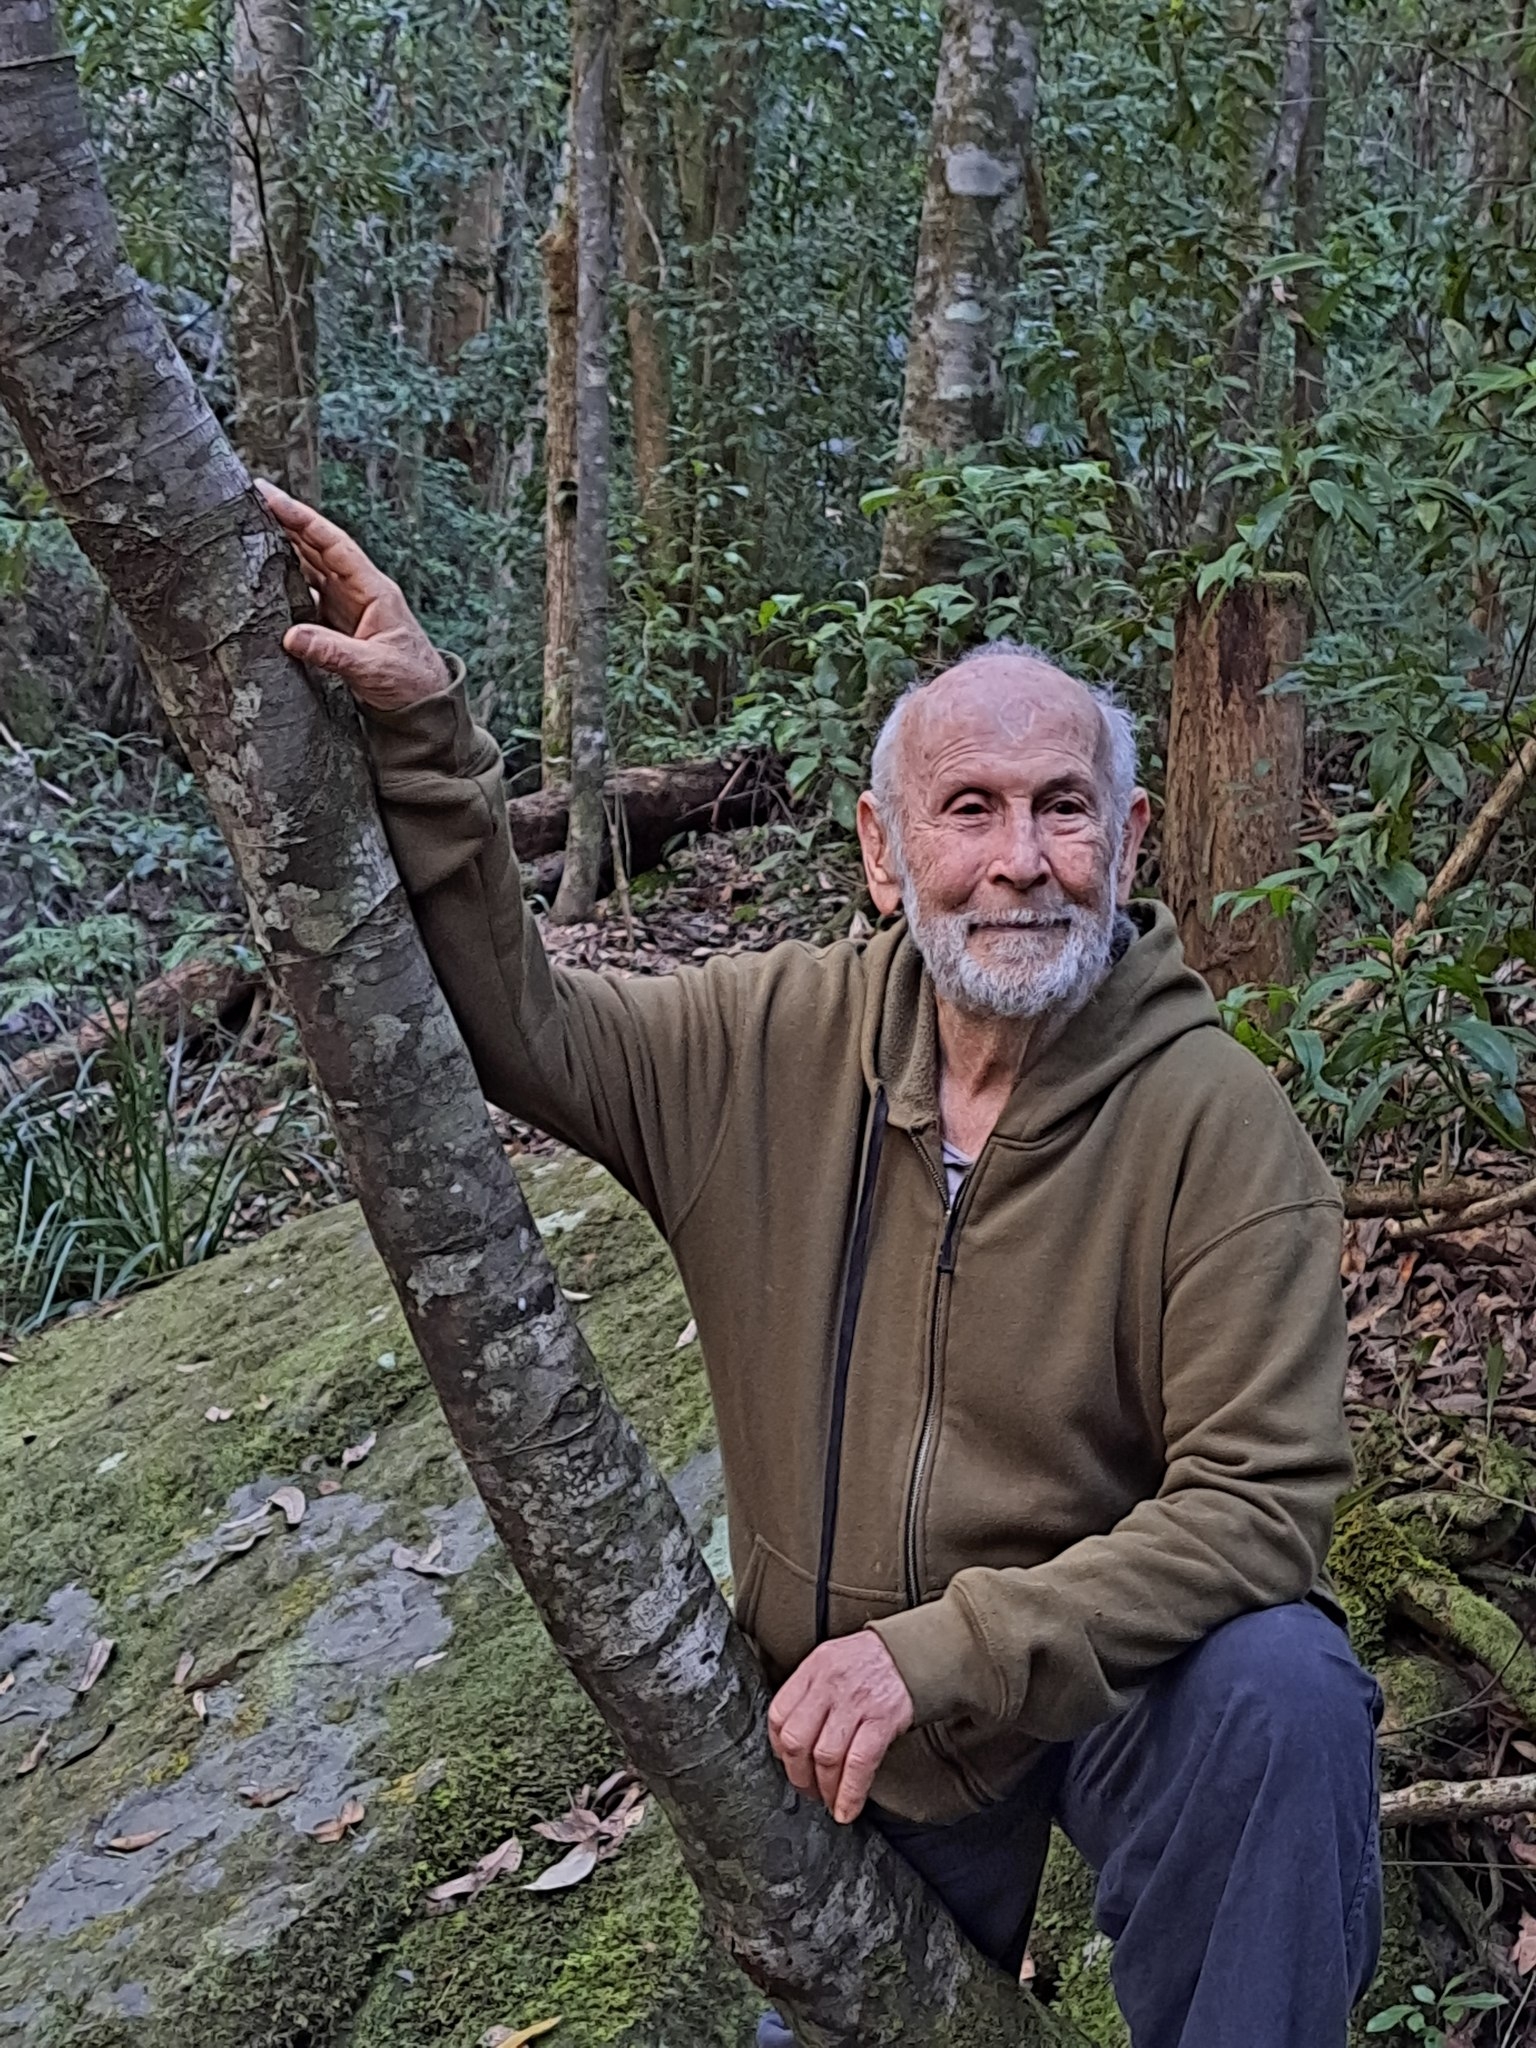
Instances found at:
x=354 y=1454
x=423 y=1562
x=516 y=2037
x=128 y=1845
x=265 y=1795
x=95 y=1664
x=501 y=1861
x=589 y=1836
x=340 y=1824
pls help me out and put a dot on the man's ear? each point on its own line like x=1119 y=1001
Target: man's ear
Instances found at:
x=879 y=867
x=1137 y=821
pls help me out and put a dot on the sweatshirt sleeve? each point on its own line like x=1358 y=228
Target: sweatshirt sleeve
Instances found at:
x=635 y=1073
x=1257 y=1453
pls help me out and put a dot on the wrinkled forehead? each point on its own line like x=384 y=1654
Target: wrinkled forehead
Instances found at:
x=1006 y=710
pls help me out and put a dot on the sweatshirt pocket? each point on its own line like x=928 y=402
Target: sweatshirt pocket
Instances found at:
x=775 y=1604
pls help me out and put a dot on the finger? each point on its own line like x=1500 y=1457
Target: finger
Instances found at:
x=831 y=1749
x=797 y=1740
x=354 y=661
x=864 y=1756
x=335 y=551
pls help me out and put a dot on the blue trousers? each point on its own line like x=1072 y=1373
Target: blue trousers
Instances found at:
x=1231 y=1815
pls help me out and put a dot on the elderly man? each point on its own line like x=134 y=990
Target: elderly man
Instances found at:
x=1017 y=1284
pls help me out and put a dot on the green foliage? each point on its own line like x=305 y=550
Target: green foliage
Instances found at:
x=120 y=1177
x=1430 y=2016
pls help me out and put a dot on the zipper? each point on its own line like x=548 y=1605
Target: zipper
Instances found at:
x=853 y=1290
x=929 y=1429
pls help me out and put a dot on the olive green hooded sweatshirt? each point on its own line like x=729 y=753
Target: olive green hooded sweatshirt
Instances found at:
x=1040 y=1439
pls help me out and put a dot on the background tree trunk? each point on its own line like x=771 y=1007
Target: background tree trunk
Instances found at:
x=968 y=249
x=1310 y=385
x=465 y=303
x=271 y=272
x=558 y=252
x=1235 y=760
x=593 y=97
x=829 y=1921
x=650 y=348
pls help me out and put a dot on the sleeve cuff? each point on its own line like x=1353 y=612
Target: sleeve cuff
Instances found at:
x=435 y=732
x=942 y=1660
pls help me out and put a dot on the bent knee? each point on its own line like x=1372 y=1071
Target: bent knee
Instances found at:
x=1288 y=1673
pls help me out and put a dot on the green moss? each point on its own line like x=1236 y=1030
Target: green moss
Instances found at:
x=1071 y=1957
x=478 y=1746
x=1370 y=1559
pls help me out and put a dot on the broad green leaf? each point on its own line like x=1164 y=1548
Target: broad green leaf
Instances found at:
x=1490 y=1048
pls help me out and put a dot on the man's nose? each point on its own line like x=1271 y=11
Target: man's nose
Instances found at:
x=1018 y=853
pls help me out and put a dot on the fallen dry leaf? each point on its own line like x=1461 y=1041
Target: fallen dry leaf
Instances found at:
x=330 y=1486
x=125 y=1845
x=516 y=2037
x=34 y=1755
x=7 y=1682
x=9 y=1358
x=580 y=1862
x=96 y=1663
x=572 y=1294
x=354 y=1454
x=581 y=1824
x=13 y=1909
x=265 y=1795
x=1523 y=1954
x=340 y=1824
x=423 y=1562
x=262 y=1403
x=195 y=1365
x=501 y=1861
x=200 y=1705
x=217 y=1414
x=292 y=1503
x=690 y=1331
x=432 y=1657
x=183 y=1671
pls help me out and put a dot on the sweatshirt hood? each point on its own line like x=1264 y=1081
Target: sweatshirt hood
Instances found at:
x=1149 y=998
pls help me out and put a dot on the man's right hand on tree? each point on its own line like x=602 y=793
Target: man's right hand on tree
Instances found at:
x=370 y=636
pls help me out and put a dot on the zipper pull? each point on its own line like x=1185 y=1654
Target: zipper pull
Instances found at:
x=951 y=1232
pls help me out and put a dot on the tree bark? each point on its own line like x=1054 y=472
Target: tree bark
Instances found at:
x=1235 y=759
x=465 y=301
x=1244 y=353
x=650 y=348
x=1309 y=389
x=558 y=252
x=593 y=93
x=968 y=248
x=271 y=271
x=828 y=1921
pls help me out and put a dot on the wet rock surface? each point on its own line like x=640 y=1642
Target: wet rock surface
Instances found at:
x=163 y=1878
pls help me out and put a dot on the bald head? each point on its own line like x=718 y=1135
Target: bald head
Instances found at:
x=1005 y=691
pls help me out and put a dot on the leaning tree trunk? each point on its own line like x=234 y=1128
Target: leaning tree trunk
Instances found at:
x=968 y=250
x=465 y=301
x=1234 y=778
x=557 y=250
x=827 y=1920
x=271 y=297
x=592 y=98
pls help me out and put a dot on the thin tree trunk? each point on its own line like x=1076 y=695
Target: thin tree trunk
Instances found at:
x=1235 y=761
x=1244 y=352
x=593 y=94
x=827 y=1920
x=558 y=252
x=968 y=250
x=465 y=302
x=1310 y=385
x=271 y=300
x=650 y=349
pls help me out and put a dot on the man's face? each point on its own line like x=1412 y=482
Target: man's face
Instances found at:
x=1007 y=864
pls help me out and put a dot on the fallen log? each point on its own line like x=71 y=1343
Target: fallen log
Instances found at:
x=186 y=1000
x=1438 y=1799
x=657 y=805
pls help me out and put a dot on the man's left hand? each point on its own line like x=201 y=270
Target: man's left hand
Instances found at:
x=832 y=1722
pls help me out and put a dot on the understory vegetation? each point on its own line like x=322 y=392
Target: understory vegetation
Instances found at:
x=1289 y=418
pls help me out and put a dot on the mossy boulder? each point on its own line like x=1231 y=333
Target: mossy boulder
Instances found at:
x=320 y=1664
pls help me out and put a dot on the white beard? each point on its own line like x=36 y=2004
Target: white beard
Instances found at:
x=1043 y=962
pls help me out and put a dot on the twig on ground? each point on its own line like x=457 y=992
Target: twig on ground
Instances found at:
x=1438 y=1799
